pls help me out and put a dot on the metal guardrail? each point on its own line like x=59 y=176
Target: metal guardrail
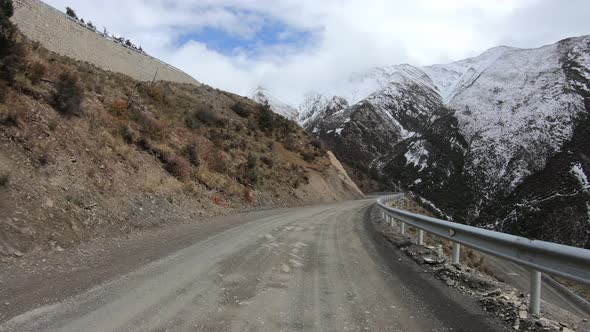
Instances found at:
x=539 y=256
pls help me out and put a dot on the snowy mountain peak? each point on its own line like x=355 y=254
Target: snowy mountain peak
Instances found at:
x=472 y=135
x=316 y=105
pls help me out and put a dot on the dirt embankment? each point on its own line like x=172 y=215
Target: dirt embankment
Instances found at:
x=137 y=155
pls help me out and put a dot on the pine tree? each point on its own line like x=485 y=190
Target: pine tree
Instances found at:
x=10 y=50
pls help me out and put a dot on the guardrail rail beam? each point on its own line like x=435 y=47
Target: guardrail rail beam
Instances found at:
x=538 y=256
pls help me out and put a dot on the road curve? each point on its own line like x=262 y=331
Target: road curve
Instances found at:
x=317 y=268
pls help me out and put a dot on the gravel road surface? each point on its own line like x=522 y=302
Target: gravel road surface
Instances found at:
x=316 y=268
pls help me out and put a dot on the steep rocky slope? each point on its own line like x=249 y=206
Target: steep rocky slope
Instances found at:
x=495 y=140
x=86 y=153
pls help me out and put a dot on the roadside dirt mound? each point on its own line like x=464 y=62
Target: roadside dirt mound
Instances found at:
x=135 y=155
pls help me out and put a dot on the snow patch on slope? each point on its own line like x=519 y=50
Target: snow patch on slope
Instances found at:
x=417 y=155
x=262 y=96
x=517 y=113
x=578 y=172
x=451 y=78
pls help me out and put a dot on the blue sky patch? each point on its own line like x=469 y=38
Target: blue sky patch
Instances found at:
x=270 y=33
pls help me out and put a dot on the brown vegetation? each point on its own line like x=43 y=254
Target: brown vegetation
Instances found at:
x=37 y=71
x=68 y=94
x=132 y=147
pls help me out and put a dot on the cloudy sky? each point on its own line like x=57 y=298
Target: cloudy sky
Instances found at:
x=294 y=46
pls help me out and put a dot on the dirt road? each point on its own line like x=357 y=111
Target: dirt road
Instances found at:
x=313 y=268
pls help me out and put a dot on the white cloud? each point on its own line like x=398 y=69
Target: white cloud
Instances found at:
x=346 y=36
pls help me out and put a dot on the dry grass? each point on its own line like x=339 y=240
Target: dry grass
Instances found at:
x=13 y=111
x=208 y=116
x=119 y=107
x=217 y=161
x=212 y=180
x=179 y=167
x=10 y=117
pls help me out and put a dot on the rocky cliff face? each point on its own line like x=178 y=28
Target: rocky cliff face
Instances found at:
x=495 y=140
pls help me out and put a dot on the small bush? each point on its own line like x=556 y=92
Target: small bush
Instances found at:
x=308 y=156
x=153 y=128
x=191 y=152
x=4 y=91
x=267 y=161
x=285 y=126
x=210 y=117
x=71 y=13
x=248 y=197
x=253 y=175
x=119 y=106
x=265 y=118
x=316 y=143
x=156 y=92
x=252 y=160
x=241 y=109
x=68 y=94
x=128 y=134
x=191 y=123
x=37 y=71
x=4 y=178
x=217 y=162
x=11 y=117
x=179 y=167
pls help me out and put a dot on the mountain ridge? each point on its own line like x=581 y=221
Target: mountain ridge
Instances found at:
x=480 y=128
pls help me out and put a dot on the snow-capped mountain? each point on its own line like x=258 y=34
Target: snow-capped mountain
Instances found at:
x=262 y=96
x=500 y=139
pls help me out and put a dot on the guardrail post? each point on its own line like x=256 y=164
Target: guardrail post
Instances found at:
x=456 y=252
x=535 y=289
x=403 y=227
x=420 y=237
x=391 y=221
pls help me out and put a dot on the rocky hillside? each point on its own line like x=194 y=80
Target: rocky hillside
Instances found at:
x=87 y=153
x=495 y=140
